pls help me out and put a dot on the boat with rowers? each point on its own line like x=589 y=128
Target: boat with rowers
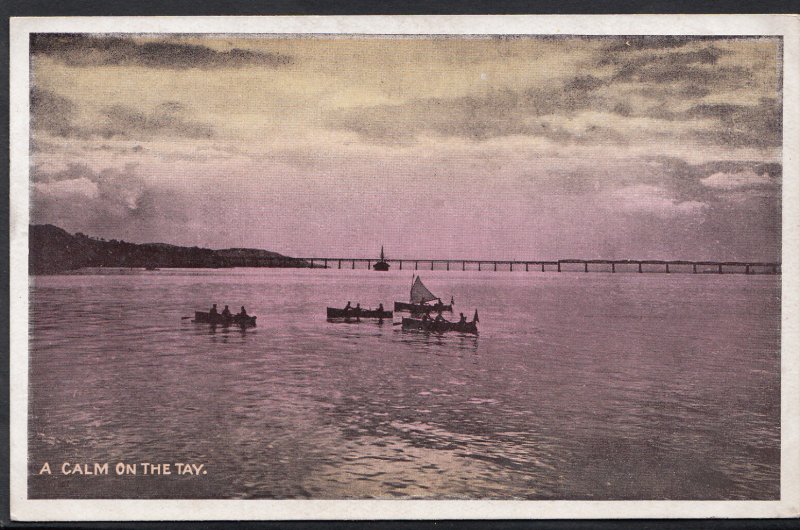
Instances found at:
x=420 y=298
x=357 y=312
x=225 y=318
x=441 y=325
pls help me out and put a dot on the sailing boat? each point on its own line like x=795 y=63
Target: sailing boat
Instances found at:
x=382 y=265
x=420 y=296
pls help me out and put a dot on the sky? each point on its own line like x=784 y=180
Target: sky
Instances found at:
x=439 y=147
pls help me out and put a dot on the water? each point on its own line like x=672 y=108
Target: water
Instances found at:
x=580 y=386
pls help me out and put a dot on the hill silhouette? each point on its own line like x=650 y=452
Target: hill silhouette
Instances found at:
x=53 y=250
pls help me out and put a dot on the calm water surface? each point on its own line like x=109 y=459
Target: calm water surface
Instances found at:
x=580 y=386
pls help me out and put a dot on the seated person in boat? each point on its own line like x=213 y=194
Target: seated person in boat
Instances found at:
x=213 y=311
x=380 y=307
x=439 y=317
x=347 y=307
x=463 y=319
x=358 y=307
x=242 y=313
x=226 y=312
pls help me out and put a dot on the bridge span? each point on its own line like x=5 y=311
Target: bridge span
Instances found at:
x=562 y=265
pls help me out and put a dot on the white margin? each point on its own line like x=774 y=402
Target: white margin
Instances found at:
x=23 y=509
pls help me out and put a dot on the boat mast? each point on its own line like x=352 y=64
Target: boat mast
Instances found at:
x=382 y=253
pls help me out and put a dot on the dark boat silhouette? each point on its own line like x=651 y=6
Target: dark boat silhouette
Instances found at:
x=334 y=312
x=430 y=325
x=382 y=265
x=203 y=317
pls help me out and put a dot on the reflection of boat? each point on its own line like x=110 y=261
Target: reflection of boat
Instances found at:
x=382 y=265
x=420 y=296
x=441 y=326
x=151 y=268
x=334 y=312
x=202 y=317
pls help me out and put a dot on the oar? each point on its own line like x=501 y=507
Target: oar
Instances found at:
x=186 y=318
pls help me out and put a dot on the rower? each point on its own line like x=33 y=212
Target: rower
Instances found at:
x=463 y=319
x=243 y=313
x=213 y=311
x=226 y=312
x=358 y=307
x=380 y=307
x=347 y=307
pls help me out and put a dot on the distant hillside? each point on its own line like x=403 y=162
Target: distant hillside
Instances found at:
x=53 y=250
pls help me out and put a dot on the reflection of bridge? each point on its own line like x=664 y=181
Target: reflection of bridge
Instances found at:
x=562 y=265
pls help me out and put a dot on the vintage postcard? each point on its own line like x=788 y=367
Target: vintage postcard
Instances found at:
x=404 y=267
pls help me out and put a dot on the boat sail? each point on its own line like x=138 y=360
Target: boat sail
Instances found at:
x=420 y=294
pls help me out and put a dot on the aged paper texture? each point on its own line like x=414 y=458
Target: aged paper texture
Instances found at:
x=404 y=267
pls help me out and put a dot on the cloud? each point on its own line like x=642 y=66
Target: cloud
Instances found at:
x=730 y=181
x=70 y=188
x=103 y=202
x=75 y=49
x=647 y=199
x=667 y=81
x=51 y=112
x=165 y=119
x=503 y=112
x=57 y=115
x=758 y=125
x=659 y=42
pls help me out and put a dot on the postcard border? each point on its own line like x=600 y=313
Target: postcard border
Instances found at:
x=24 y=509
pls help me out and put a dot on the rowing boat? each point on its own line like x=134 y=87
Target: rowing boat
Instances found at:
x=441 y=326
x=334 y=312
x=202 y=317
x=422 y=308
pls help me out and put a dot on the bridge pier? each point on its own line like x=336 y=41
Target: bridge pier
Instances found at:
x=325 y=262
x=542 y=266
x=747 y=269
x=694 y=268
x=431 y=265
x=526 y=266
x=510 y=266
x=416 y=265
x=463 y=265
x=354 y=264
x=559 y=266
x=720 y=268
x=667 y=264
x=640 y=266
x=586 y=267
x=340 y=264
x=479 y=266
x=401 y=264
x=495 y=266
x=312 y=263
x=448 y=265
x=613 y=268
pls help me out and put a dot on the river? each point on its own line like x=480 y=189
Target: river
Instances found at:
x=580 y=386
